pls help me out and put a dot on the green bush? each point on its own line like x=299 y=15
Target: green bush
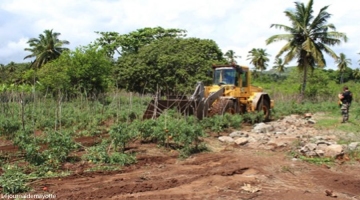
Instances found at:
x=31 y=145
x=13 y=180
x=59 y=145
x=101 y=154
x=122 y=159
x=98 y=153
x=8 y=127
x=121 y=134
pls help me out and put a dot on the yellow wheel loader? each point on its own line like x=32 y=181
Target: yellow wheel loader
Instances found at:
x=231 y=92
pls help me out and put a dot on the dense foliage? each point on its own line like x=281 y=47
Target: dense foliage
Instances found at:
x=87 y=69
x=172 y=65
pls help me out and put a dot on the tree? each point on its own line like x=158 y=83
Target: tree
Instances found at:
x=87 y=69
x=342 y=64
x=279 y=65
x=130 y=43
x=45 y=48
x=356 y=73
x=230 y=56
x=172 y=65
x=308 y=37
x=259 y=58
x=13 y=73
x=110 y=42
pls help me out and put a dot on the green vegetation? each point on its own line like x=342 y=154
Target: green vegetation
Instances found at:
x=318 y=160
x=13 y=180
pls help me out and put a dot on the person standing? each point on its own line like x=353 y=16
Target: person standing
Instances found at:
x=345 y=98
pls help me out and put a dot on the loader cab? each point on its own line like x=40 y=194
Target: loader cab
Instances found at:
x=225 y=76
x=245 y=77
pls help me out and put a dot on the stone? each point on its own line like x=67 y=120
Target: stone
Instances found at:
x=353 y=146
x=241 y=141
x=263 y=128
x=311 y=153
x=334 y=150
x=236 y=134
x=321 y=146
x=307 y=115
x=311 y=121
x=311 y=146
x=278 y=142
x=226 y=139
x=324 y=142
x=319 y=152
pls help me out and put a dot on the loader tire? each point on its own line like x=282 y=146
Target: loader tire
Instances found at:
x=264 y=106
x=222 y=106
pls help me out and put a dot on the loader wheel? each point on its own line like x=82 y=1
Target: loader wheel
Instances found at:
x=264 y=106
x=222 y=106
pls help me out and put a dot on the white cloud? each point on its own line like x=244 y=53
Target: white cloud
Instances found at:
x=234 y=24
x=14 y=50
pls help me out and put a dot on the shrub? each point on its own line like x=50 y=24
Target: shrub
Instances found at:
x=100 y=154
x=121 y=134
x=9 y=127
x=13 y=180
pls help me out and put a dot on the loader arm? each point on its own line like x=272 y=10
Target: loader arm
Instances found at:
x=203 y=108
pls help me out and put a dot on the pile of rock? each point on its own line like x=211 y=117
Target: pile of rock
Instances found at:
x=295 y=129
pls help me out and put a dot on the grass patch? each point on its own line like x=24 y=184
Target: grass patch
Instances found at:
x=317 y=160
x=333 y=121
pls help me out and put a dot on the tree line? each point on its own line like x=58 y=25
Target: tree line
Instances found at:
x=151 y=59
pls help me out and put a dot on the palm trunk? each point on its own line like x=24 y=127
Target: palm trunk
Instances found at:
x=303 y=87
x=342 y=78
x=305 y=65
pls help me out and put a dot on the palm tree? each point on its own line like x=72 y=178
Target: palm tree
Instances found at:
x=45 y=48
x=11 y=66
x=279 y=65
x=307 y=38
x=342 y=64
x=230 y=56
x=259 y=58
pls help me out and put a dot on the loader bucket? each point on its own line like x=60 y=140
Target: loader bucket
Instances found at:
x=182 y=105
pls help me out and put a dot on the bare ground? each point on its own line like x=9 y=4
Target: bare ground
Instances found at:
x=227 y=171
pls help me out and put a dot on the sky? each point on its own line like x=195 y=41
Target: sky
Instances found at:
x=237 y=25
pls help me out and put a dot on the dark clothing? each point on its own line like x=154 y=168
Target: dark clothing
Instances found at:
x=347 y=97
x=346 y=101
